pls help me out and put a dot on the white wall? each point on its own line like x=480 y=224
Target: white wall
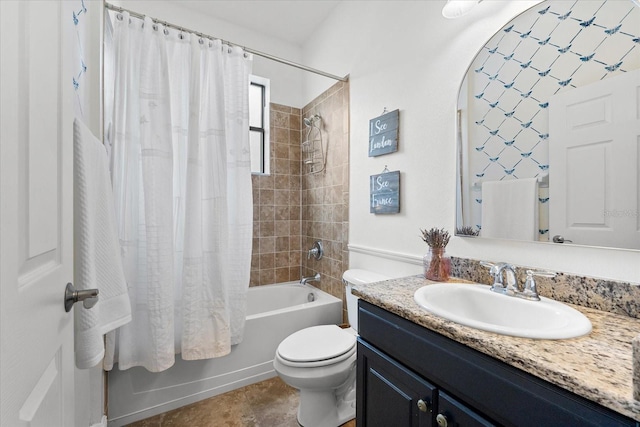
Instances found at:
x=286 y=81
x=405 y=55
x=401 y=54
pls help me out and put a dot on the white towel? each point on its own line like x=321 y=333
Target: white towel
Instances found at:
x=97 y=261
x=510 y=209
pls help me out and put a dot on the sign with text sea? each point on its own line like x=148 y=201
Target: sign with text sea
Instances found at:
x=383 y=134
x=385 y=193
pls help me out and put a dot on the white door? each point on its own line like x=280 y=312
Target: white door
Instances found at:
x=594 y=186
x=36 y=219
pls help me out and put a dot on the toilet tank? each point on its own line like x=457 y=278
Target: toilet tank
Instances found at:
x=355 y=277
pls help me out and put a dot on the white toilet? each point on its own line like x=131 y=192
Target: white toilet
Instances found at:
x=320 y=361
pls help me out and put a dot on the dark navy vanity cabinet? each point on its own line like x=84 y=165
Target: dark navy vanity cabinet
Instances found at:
x=411 y=376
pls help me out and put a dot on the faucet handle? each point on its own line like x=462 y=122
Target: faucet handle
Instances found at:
x=316 y=250
x=487 y=264
x=493 y=269
x=530 y=289
x=542 y=273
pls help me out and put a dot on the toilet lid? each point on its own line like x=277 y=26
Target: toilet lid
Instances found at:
x=316 y=343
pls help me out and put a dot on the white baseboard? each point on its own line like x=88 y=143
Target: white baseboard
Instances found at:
x=102 y=423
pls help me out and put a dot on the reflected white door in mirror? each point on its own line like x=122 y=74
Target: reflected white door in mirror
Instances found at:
x=596 y=134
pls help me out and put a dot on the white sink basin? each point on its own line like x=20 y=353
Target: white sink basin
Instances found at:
x=478 y=307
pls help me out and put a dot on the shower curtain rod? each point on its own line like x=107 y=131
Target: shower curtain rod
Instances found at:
x=246 y=49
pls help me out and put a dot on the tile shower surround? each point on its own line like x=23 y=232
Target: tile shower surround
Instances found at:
x=292 y=207
x=276 y=255
x=325 y=195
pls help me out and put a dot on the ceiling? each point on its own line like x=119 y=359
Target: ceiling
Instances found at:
x=290 y=20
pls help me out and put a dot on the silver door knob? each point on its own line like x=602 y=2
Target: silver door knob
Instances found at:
x=89 y=297
x=442 y=420
x=559 y=239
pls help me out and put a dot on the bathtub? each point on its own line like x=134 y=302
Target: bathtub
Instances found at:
x=273 y=313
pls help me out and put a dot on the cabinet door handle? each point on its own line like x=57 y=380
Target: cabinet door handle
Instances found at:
x=423 y=406
x=441 y=420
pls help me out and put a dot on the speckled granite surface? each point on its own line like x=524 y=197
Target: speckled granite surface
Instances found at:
x=598 y=367
x=606 y=295
x=636 y=368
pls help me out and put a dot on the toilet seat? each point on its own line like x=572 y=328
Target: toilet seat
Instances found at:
x=317 y=346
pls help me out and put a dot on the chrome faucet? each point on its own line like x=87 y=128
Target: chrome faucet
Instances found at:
x=305 y=280
x=528 y=290
x=511 y=285
x=496 y=271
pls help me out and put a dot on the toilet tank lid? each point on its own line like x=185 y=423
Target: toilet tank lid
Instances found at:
x=359 y=277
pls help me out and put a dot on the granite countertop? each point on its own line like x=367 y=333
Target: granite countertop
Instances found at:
x=598 y=366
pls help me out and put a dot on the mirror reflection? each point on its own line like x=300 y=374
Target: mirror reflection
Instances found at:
x=549 y=128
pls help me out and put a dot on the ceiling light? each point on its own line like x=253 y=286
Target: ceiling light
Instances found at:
x=456 y=8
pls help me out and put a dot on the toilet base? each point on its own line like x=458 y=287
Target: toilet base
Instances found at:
x=319 y=409
x=328 y=408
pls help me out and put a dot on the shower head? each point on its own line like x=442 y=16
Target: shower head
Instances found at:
x=310 y=121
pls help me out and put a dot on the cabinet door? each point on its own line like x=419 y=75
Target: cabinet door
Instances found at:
x=389 y=394
x=451 y=413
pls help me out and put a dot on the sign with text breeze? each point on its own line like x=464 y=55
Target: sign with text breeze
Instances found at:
x=385 y=193
x=383 y=134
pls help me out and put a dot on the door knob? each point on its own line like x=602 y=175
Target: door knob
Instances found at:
x=559 y=239
x=442 y=420
x=89 y=297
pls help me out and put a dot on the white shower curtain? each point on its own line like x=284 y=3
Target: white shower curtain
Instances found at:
x=181 y=174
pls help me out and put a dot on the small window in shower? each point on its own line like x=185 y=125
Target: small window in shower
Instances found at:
x=259 y=124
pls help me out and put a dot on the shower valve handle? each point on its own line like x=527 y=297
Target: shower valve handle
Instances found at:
x=316 y=251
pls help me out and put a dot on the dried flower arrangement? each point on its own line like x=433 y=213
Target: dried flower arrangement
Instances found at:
x=437 y=266
x=436 y=237
x=467 y=230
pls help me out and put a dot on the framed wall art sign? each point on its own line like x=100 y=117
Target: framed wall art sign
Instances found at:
x=385 y=193
x=383 y=134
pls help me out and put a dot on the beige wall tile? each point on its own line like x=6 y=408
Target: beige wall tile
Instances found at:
x=295 y=207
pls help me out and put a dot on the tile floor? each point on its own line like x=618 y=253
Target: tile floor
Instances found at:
x=270 y=403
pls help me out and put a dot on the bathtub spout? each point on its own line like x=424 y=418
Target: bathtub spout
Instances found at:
x=306 y=280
